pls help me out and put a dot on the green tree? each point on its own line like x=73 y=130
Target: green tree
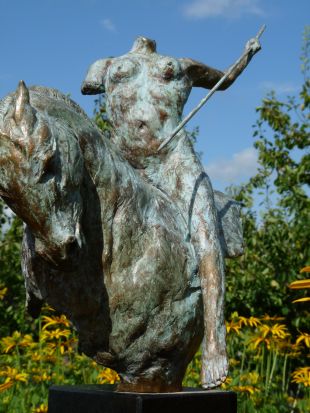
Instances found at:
x=100 y=115
x=12 y=299
x=277 y=242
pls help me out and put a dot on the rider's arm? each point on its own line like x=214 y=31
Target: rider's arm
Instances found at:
x=95 y=77
x=205 y=76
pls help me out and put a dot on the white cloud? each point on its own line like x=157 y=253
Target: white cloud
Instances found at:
x=108 y=25
x=239 y=168
x=279 y=88
x=225 y=8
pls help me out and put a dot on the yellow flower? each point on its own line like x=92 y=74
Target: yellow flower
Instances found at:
x=47 y=308
x=279 y=330
x=8 y=343
x=265 y=330
x=40 y=378
x=55 y=334
x=256 y=341
x=40 y=409
x=267 y=317
x=245 y=389
x=233 y=362
x=16 y=340
x=243 y=321
x=233 y=327
x=12 y=374
x=36 y=356
x=302 y=375
x=50 y=358
x=305 y=337
x=251 y=377
x=270 y=334
x=301 y=300
x=226 y=383
x=6 y=385
x=290 y=400
x=300 y=284
x=51 y=321
x=3 y=292
x=251 y=321
x=107 y=376
x=64 y=346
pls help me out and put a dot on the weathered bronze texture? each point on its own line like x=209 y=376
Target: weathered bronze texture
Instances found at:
x=101 y=245
x=145 y=96
x=127 y=242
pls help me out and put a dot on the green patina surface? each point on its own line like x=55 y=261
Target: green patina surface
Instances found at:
x=127 y=242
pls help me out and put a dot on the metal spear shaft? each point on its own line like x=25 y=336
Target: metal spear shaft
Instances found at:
x=211 y=92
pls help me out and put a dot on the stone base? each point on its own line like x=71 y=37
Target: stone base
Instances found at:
x=104 y=399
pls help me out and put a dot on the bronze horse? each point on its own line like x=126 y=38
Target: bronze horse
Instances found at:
x=101 y=244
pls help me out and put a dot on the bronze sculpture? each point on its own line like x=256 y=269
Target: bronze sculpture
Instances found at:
x=127 y=241
x=145 y=96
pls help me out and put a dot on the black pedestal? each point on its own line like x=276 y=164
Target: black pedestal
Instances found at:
x=103 y=399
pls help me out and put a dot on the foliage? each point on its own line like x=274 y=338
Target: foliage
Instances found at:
x=100 y=115
x=262 y=355
x=277 y=242
x=301 y=284
x=31 y=363
x=12 y=293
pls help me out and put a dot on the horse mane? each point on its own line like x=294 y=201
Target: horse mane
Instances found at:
x=65 y=115
x=56 y=94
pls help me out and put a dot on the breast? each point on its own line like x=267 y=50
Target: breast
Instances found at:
x=145 y=100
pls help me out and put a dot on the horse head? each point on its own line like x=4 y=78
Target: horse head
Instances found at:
x=41 y=170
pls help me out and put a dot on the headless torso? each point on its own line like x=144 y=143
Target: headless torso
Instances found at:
x=145 y=96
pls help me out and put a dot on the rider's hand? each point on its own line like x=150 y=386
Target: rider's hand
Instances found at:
x=253 y=46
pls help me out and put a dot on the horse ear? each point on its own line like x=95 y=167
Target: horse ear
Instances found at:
x=23 y=109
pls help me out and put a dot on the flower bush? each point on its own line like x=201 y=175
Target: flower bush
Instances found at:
x=31 y=363
x=263 y=358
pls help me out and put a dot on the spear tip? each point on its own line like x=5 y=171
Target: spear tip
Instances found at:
x=261 y=31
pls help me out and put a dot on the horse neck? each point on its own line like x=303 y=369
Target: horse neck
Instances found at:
x=105 y=164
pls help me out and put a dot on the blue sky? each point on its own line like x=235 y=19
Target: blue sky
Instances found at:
x=52 y=43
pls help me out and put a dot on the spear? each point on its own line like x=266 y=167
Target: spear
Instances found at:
x=211 y=92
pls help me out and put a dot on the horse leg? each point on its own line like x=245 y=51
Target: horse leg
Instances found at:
x=193 y=193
